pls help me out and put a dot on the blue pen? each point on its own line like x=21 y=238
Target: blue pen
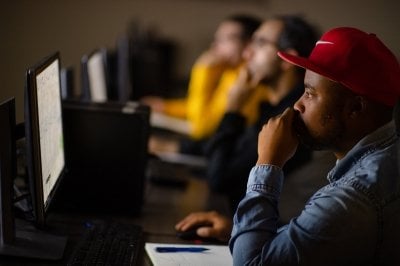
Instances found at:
x=180 y=249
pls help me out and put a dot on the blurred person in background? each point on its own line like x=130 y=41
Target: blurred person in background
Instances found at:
x=212 y=77
x=232 y=152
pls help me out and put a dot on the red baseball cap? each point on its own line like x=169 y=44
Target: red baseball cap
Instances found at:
x=356 y=59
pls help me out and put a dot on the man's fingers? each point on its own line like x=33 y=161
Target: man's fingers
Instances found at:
x=219 y=233
x=287 y=114
x=206 y=231
x=192 y=220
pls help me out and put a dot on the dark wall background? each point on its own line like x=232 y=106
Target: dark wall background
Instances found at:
x=30 y=30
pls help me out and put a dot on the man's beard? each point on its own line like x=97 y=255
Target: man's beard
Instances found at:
x=315 y=141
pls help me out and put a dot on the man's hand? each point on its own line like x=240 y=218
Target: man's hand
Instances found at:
x=243 y=87
x=277 y=141
x=156 y=103
x=211 y=58
x=212 y=224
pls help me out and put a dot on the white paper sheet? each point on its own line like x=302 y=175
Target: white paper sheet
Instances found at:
x=217 y=255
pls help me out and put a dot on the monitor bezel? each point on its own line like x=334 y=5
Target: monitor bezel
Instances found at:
x=32 y=133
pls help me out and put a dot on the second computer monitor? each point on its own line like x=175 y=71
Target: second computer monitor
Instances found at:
x=94 y=76
x=44 y=132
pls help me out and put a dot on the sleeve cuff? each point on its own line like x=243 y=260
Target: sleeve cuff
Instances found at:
x=265 y=179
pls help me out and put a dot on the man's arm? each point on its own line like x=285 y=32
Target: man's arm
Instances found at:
x=232 y=151
x=226 y=156
x=204 y=79
x=265 y=184
x=331 y=229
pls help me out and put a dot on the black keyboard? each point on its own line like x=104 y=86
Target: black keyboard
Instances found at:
x=109 y=244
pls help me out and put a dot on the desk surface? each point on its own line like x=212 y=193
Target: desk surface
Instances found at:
x=163 y=207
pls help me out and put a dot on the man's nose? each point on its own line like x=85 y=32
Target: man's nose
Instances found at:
x=298 y=106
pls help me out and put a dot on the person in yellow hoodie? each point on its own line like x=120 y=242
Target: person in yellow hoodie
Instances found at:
x=212 y=76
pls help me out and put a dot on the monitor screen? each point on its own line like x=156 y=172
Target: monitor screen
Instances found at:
x=44 y=132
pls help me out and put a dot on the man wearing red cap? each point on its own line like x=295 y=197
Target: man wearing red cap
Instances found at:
x=352 y=82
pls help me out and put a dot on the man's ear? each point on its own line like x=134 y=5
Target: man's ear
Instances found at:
x=358 y=105
x=286 y=65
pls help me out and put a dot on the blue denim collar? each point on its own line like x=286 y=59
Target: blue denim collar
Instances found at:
x=381 y=137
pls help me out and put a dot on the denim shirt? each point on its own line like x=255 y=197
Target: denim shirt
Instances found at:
x=354 y=220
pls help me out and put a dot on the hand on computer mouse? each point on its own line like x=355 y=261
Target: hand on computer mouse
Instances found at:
x=189 y=234
x=206 y=225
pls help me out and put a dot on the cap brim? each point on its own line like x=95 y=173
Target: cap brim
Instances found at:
x=306 y=64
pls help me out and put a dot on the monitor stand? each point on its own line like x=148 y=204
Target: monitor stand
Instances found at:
x=30 y=242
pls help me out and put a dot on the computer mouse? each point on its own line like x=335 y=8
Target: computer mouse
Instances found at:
x=191 y=234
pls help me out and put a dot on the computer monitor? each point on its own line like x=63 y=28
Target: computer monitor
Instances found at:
x=67 y=82
x=44 y=145
x=106 y=156
x=123 y=62
x=94 y=76
x=18 y=238
x=8 y=170
x=44 y=133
